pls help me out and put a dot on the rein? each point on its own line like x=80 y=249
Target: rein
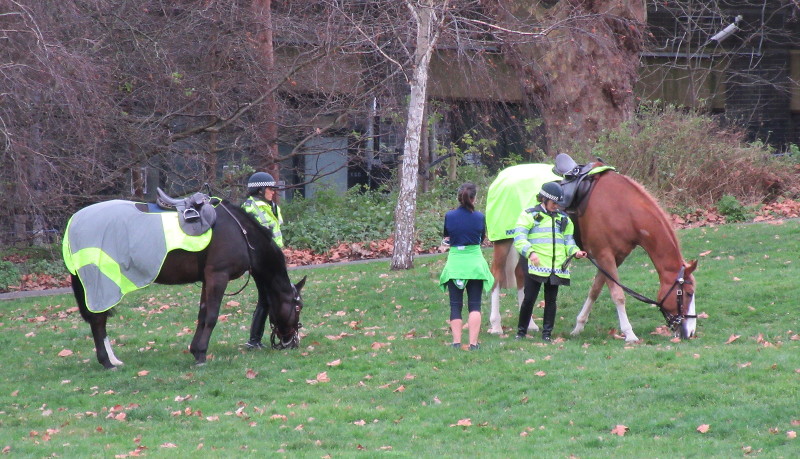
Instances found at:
x=249 y=255
x=672 y=321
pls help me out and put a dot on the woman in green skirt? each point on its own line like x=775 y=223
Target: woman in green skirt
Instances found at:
x=466 y=268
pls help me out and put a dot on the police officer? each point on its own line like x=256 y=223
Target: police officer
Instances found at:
x=544 y=236
x=261 y=189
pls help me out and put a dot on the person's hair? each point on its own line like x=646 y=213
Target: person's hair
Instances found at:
x=540 y=198
x=256 y=192
x=466 y=195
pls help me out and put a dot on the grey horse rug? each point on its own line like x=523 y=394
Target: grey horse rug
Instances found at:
x=115 y=248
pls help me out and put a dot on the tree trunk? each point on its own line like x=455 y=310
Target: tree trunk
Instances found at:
x=405 y=212
x=267 y=158
x=581 y=75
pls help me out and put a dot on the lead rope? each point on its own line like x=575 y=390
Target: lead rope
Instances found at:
x=627 y=290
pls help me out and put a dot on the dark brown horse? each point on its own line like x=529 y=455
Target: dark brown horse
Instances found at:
x=238 y=245
x=618 y=216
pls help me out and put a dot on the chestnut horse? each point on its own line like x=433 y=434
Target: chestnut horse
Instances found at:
x=238 y=244
x=618 y=215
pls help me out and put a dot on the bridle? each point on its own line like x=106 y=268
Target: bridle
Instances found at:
x=276 y=339
x=673 y=320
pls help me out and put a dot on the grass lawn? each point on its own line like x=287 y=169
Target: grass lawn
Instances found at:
x=374 y=375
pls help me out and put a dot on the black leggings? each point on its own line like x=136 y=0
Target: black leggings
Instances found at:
x=474 y=290
x=532 y=287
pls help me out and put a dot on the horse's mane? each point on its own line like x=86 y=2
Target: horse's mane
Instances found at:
x=243 y=214
x=663 y=217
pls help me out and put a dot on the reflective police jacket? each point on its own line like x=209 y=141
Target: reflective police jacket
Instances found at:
x=550 y=236
x=268 y=214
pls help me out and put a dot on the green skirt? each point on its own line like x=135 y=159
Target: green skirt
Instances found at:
x=466 y=263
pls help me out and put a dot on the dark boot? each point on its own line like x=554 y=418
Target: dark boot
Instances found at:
x=257 y=328
x=521 y=332
x=548 y=321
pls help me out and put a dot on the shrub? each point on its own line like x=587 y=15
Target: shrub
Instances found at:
x=9 y=274
x=733 y=210
x=686 y=158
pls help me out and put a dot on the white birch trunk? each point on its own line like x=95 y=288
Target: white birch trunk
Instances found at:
x=406 y=209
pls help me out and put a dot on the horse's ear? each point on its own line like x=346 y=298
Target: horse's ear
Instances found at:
x=300 y=284
x=690 y=267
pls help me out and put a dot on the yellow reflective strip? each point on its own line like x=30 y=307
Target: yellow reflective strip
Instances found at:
x=106 y=265
x=177 y=239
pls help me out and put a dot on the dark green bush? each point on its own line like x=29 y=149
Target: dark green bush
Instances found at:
x=733 y=210
x=362 y=215
x=9 y=275
x=330 y=219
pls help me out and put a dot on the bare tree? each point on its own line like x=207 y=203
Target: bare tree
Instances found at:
x=428 y=32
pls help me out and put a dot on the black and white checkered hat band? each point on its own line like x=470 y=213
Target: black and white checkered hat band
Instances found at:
x=548 y=195
x=262 y=184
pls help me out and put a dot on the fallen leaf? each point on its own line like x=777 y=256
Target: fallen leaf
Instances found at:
x=360 y=422
x=702 y=254
x=323 y=377
x=733 y=338
x=334 y=363
x=143 y=373
x=463 y=423
x=540 y=373
x=703 y=428
x=620 y=430
x=401 y=388
x=250 y=374
x=65 y=353
x=791 y=434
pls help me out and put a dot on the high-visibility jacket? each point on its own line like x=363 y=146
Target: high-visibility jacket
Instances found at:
x=268 y=214
x=550 y=235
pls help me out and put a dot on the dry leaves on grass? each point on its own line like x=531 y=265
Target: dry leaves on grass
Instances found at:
x=620 y=430
x=462 y=423
x=733 y=338
x=703 y=428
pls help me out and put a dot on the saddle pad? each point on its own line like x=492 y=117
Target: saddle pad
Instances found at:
x=513 y=191
x=114 y=249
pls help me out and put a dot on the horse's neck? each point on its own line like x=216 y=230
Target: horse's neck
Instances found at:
x=658 y=239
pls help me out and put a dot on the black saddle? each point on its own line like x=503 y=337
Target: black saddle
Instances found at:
x=196 y=213
x=576 y=184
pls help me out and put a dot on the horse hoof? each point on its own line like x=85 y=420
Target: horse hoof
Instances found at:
x=200 y=364
x=495 y=331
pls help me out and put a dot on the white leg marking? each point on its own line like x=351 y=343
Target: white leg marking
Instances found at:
x=583 y=316
x=111 y=357
x=624 y=324
x=495 y=327
x=691 y=324
x=521 y=296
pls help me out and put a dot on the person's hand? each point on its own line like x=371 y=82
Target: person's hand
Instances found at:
x=535 y=259
x=580 y=254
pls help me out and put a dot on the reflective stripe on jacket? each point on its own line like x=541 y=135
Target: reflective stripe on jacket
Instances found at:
x=550 y=236
x=263 y=212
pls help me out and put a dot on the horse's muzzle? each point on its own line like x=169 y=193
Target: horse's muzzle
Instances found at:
x=279 y=343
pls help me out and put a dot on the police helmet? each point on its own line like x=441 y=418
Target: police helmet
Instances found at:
x=552 y=191
x=261 y=180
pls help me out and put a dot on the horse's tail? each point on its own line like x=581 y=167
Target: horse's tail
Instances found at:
x=80 y=298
